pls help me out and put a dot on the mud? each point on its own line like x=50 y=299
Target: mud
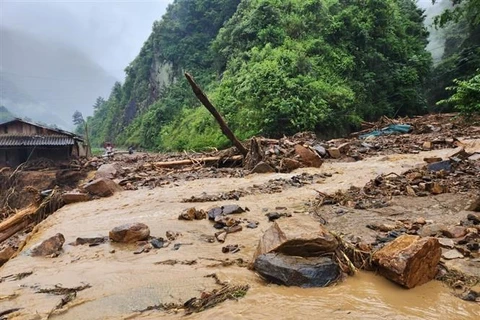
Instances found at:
x=123 y=283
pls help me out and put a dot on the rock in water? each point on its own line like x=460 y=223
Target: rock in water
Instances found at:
x=297 y=271
x=130 y=232
x=409 y=260
x=49 y=247
x=310 y=242
x=102 y=187
x=308 y=157
x=263 y=167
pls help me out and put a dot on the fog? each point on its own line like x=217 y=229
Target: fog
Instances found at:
x=59 y=56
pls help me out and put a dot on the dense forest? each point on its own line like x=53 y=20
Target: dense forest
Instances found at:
x=275 y=67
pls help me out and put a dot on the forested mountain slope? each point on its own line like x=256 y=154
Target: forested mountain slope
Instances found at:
x=272 y=67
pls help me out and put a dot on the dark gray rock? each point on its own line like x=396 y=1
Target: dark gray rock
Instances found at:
x=231 y=209
x=441 y=165
x=297 y=271
x=213 y=213
x=320 y=150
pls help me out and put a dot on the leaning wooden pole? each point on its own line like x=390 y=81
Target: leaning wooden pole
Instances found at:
x=223 y=125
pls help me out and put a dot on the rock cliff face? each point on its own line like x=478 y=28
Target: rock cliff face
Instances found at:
x=162 y=75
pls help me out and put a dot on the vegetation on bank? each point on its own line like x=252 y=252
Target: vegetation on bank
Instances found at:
x=275 y=67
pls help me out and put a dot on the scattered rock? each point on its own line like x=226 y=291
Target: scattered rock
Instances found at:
x=446 y=243
x=90 y=241
x=5 y=254
x=322 y=152
x=252 y=224
x=157 y=243
x=297 y=271
x=427 y=145
x=452 y=254
x=310 y=242
x=192 y=214
x=431 y=230
x=308 y=157
x=290 y=164
x=409 y=260
x=172 y=235
x=49 y=247
x=130 y=232
x=263 y=167
x=102 y=187
x=231 y=248
x=232 y=209
x=72 y=197
x=334 y=153
x=441 y=165
x=455 y=232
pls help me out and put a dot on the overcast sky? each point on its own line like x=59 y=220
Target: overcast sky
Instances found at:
x=111 y=32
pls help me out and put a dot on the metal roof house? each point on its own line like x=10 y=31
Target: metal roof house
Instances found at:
x=21 y=141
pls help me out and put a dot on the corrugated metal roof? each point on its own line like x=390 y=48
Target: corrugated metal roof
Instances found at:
x=7 y=140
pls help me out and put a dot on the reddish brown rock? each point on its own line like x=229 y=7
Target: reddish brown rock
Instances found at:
x=308 y=157
x=455 y=232
x=130 y=232
x=409 y=260
x=51 y=246
x=72 y=197
x=5 y=254
x=290 y=164
x=263 y=167
x=311 y=242
x=102 y=187
x=334 y=153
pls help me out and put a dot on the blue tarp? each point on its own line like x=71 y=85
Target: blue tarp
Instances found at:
x=391 y=129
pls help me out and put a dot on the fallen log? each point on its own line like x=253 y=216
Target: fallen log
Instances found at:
x=223 y=125
x=168 y=164
x=17 y=218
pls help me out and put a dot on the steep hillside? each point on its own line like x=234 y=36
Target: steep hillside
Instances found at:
x=273 y=67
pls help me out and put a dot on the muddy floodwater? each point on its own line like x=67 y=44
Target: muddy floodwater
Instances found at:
x=122 y=283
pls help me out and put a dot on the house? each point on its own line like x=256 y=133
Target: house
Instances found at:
x=21 y=141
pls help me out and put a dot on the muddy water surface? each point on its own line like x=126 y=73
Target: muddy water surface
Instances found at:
x=123 y=283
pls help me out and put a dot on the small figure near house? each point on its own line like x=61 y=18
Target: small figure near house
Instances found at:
x=109 y=152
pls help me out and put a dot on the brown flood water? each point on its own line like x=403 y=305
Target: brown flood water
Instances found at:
x=122 y=283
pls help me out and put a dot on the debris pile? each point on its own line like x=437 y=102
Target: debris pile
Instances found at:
x=455 y=175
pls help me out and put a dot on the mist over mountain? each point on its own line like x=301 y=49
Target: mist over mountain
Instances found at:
x=47 y=80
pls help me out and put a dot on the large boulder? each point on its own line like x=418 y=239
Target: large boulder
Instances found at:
x=102 y=187
x=308 y=157
x=130 y=232
x=409 y=260
x=297 y=271
x=72 y=197
x=49 y=247
x=109 y=171
x=307 y=240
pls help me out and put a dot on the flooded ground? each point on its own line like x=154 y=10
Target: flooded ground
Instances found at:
x=123 y=283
